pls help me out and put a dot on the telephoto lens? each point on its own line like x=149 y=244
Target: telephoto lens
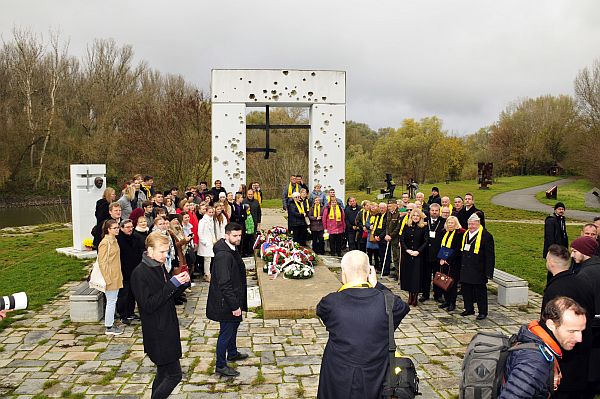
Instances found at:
x=16 y=301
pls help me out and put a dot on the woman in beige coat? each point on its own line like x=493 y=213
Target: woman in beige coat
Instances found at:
x=109 y=260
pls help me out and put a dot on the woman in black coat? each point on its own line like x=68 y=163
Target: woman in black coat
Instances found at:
x=297 y=212
x=451 y=238
x=155 y=294
x=101 y=213
x=413 y=241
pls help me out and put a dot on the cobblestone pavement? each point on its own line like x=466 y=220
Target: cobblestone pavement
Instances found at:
x=44 y=353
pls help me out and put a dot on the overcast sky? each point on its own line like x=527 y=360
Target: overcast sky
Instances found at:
x=461 y=60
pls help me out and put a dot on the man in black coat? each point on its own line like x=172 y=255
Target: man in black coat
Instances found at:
x=216 y=190
x=555 y=229
x=251 y=204
x=352 y=230
x=477 y=266
x=574 y=363
x=435 y=225
x=356 y=355
x=434 y=198
x=468 y=209
x=155 y=294
x=227 y=297
x=130 y=249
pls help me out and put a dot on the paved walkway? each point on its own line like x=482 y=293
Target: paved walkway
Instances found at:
x=44 y=353
x=525 y=199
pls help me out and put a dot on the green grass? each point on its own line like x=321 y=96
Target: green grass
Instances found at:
x=30 y=263
x=519 y=250
x=572 y=194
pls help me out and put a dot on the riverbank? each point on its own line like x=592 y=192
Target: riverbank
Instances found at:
x=28 y=201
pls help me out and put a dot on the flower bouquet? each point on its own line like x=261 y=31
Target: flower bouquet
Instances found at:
x=88 y=243
x=297 y=270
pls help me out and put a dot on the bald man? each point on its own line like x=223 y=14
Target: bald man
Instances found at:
x=355 y=316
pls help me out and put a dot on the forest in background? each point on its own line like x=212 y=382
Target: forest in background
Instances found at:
x=56 y=109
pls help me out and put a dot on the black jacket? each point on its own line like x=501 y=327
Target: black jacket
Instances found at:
x=463 y=216
x=434 y=200
x=228 y=286
x=590 y=276
x=434 y=243
x=215 y=193
x=131 y=249
x=555 y=232
x=350 y=217
x=478 y=268
x=356 y=354
x=154 y=294
x=295 y=218
x=255 y=210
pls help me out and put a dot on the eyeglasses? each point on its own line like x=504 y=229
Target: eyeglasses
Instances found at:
x=114 y=228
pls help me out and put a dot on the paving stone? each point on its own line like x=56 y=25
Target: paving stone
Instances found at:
x=30 y=386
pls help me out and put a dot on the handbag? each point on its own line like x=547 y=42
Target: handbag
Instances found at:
x=401 y=380
x=443 y=281
x=445 y=253
x=96 y=279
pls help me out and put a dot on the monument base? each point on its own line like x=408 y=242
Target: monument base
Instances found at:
x=294 y=299
x=77 y=253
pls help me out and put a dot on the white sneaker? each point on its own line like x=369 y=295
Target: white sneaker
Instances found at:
x=114 y=330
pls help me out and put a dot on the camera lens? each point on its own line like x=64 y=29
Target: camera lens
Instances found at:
x=16 y=301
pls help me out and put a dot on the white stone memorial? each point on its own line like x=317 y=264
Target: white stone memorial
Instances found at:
x=88 y=183
x=323 y=92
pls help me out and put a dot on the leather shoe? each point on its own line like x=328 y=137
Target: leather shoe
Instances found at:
x=467 y=313
x=444 y=305
x=481 y=316
x=452 y=307
x=423 y=298
x=438 y=299
x=227 y=371
x=237 y=356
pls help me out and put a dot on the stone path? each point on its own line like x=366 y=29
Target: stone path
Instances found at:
x=44 y=354
x=525 y=199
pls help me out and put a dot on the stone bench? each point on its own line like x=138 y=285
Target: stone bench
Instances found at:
x=86 y=304
x=512 y=290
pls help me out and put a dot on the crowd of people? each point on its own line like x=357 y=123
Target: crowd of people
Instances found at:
x=152 y=244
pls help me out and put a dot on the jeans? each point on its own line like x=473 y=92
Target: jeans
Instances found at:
x=167 y=377
x=111 y=305
x=226 y=344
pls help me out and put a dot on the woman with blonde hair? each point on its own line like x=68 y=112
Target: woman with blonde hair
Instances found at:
x=101 y=213
x=126 y=201
x=109 y=260
x=207 y=237
x=449 y=257
x=413 y=242
x=220 y=222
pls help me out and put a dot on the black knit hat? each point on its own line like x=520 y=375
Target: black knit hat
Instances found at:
x=437 y=190
x=559 y=205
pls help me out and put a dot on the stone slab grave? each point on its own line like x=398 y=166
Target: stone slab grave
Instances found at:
x=293 y=299
x=88 y=183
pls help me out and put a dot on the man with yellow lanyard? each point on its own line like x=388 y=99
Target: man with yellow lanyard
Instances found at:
x=361 y=225
x=288 y=190
x=356 y=353
x=334 y=223
x=297 y=216
x=477 y=266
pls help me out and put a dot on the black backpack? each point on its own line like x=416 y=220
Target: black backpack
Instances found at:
x=401 y=376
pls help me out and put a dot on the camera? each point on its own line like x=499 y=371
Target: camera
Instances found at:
x=16 y=301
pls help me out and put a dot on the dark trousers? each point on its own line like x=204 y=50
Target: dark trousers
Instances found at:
x=299 y=235
x=352 y=241
x=125 y=301
x=362 y=245
x=373 y=257
x=318 y=244
x=385 y=259
x=394 y=245
x=475 y=293
x=335 y=244
x=167 y=377
x=248 y=244
x=226 y=345
x=428 y=272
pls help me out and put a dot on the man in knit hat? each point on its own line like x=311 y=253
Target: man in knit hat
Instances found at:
x=582 y=253
x=434 y=198
x=555 y=231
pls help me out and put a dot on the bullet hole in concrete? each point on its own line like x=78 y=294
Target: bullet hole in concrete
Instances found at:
x=335 y=82
x=303 y=96
x=215 y=159
x=342 y=181
x=310 y=93
x=275 y=97
x=304 y=79
x=265 y=91
x=324 y=98
x=326 y=123
x=325 y=155
x=312 y=74
x=216 y=137
x=330 y=114
x=269 y=98
x=215 y=96
x=297 y=98
x=240 y=117
x=252 y=96
x=273 y=91
x=234 y=147
x=293 y=92
x=241 y=78
x=226 y=115
x=285 y=87
x=275 y=83
x=225 y=146
x=285 y=73
x=235 y=88
x=249 y=82
x=343 y=122
x=330 y=166
x=241 y=122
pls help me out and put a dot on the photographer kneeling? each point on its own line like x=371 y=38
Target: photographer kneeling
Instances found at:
x=356 y=354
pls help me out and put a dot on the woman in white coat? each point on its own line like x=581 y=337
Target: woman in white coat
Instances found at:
x=207 y=237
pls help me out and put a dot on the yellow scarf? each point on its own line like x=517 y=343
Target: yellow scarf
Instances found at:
x=300 y=206
x=332 y=208
x=365 y=215
x=258 y=197
x=317 y=210
x=377 y=220
x=403 y=224
x=290 y=191
x=361 y=285
x=477 y=240
x=451 y=208
x=447 y=241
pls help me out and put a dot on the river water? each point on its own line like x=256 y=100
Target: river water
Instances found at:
x=31 y=215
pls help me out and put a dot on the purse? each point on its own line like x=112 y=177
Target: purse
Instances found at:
x=96 y=278
x=401 y=380
x=445 y=253
x=443 y=281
